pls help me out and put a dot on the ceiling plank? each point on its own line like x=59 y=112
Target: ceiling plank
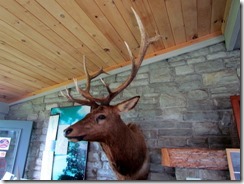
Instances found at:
x=38 y=41
x=36 y=55
x=59 y=35
x=176 y=20
x=218 y=9
x=189 y=9
x=124 y=7
x=160 y=15
x=25 y=71
x=61 y=15
x=21 y=77
x=203 y=17
x=98 y=18
x=85 y=22
x=31 y=61
x=25 y=67
x=143 y=10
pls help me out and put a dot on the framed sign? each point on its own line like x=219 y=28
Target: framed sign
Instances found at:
x=64 y=160
x=234 y=161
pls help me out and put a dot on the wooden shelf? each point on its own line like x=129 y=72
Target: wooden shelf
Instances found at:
x=194 y=158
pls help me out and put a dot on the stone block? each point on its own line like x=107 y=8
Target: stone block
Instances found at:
x=130 y=92
x=198 y=53
x=141 y=82
x=200 y=105
x=217 y=47
x=226 y=118
x=161 y=177
x=199 y=116
x=206 y=128
x=180 y=141
x=174 y=132
x=50 y=106
x=93 y=156
x=188 y=86
x=165 y=88
x=155 y=156
x=209 y=66
x=232 y=62
x=188 y=78
x=104 y=157
x=175 y=113
x=151 y=143
x=94 y=165
x=177 y=63
x=95 y=146
x=219 y=142
x=156 y=168
x=141 y=76
x=178 y=58
x=155 y=124
x=162 y=74
x=231 y=88
x=197 y=94
x=150 y=134
x=183 y=70
x=38 y=101
x=196 y=60
x=234 y=53
x=216 y=55
x=55 y=100
x=223 y=77
x=183 y=124
x=214 y=175
x=183 y=173
x=144 y=69
x=157 y=65
x=32 y=117
x=172 y=100
x=150 y=113
x=38 y=107
x=197 y=142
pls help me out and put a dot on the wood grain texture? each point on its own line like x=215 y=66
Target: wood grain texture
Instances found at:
x=194 y=158
x=42 y=42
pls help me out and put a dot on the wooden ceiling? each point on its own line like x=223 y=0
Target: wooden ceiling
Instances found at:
x=42 y=42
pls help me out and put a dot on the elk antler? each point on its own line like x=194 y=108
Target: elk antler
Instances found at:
x=136 y=63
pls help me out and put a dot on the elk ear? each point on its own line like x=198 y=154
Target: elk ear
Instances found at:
x=127 y=105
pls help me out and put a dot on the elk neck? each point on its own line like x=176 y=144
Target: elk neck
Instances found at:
x=125 y=148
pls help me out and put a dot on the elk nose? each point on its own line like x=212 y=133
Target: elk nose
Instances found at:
x=67 y=131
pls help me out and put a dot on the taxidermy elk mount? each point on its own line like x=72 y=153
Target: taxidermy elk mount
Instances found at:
x=123 y=144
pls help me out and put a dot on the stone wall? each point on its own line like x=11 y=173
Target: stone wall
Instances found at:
x=184 y=103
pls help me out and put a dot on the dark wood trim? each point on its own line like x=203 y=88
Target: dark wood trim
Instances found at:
x=235 y=102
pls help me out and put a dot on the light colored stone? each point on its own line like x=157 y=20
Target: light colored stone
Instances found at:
x=183 y=70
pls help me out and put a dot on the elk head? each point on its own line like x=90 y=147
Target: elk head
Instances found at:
x=104 y=119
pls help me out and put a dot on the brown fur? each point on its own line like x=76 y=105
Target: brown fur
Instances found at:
x=123 y=144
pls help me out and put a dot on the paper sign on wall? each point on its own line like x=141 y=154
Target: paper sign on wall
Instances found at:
x=62 y=142
x=2 y=154
x=4 y=143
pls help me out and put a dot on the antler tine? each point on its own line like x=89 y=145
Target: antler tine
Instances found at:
x=89 y=77
x=136 y=63
x=70 y=98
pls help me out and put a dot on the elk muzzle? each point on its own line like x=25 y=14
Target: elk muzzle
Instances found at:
x=67 y=133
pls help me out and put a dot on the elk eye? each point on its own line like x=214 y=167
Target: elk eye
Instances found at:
x=100 y=117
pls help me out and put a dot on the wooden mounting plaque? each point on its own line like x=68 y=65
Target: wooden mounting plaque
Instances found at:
x=194 y=158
